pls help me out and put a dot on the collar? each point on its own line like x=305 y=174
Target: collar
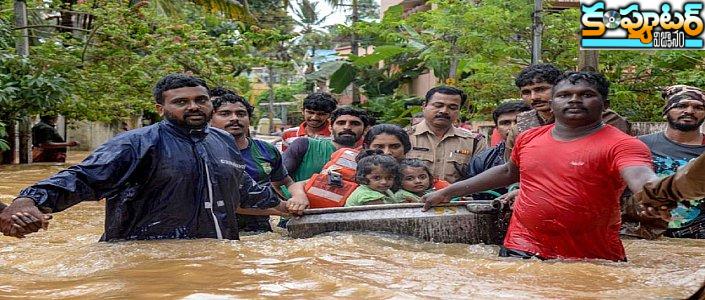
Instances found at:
x=422 y=128
x=47 y=124
x=324 y=132
x=249 y=143
x=543 y=121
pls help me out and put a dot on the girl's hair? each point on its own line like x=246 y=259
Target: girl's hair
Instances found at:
x=369 y=159
x=416 y=163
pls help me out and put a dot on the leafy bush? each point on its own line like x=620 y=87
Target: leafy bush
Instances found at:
x=4 y=146
x=395 y=109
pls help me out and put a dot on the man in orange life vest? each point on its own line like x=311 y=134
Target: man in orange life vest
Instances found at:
x=307 y=156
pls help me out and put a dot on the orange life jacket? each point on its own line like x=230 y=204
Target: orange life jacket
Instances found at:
x=439 y=184
x=343 y=162
x=332 y=186
x=328 y=190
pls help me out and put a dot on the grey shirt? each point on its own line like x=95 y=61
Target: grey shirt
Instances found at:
x=688 y=219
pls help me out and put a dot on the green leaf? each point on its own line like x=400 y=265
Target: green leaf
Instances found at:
x=393 y=13
x=380 y=53
x=342 y=78
x=326 y=70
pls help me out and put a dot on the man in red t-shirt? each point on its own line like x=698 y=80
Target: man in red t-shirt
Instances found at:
x=317 y=109
x=571 y=174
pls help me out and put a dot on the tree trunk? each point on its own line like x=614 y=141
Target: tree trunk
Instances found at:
x=25 y=135
x=453 y=68
x=8 y=157
x=23 y=145
x=310 y=67
x=588 y=60
x=22 y=40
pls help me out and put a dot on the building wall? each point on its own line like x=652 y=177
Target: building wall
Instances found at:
x=385 y=4
x=420 y=85
x=90 y=135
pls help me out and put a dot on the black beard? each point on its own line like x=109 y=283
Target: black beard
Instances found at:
x=345 y=140
x=684 y=127
x=182 y=122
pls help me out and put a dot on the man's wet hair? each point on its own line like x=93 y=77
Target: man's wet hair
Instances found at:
x=446 y=90
x=389 y=129
x=175 y=81
x=416 y=163
x=597 y=80
x=221 y=96
x=367 y=120
x=320 y=101
x=368 y=159
x=538 y=73
x=509 y=107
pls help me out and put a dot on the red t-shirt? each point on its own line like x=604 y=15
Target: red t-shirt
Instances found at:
x=568 y=204
x=291 y=134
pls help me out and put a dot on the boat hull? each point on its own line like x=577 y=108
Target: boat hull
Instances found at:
x=460 y=222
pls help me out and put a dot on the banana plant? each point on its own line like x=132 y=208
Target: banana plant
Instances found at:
x=4 y=146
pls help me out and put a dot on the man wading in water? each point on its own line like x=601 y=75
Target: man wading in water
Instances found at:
x=178 y=178
x=572 y=174
x=263 y=162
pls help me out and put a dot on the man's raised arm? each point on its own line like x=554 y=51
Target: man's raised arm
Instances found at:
x=687 y=183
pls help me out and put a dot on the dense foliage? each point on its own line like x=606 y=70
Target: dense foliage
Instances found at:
x=106 y=70
x=481 y=47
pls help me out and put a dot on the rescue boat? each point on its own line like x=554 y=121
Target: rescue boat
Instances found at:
x=469 y=222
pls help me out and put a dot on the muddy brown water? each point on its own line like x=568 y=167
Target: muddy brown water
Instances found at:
x=68 y=262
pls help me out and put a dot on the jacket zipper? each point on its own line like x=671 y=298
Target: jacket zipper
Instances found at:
x=210 y=204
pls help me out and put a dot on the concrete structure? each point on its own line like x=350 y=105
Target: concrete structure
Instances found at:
x=90 y=135
x=420 y=85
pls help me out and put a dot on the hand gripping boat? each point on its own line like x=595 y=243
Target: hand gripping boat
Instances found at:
x=469 y=222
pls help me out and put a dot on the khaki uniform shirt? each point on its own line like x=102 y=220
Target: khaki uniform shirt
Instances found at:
x=530 y=119
x=448 y=155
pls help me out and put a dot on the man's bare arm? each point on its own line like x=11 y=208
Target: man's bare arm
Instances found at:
x=636 y=178
x=687 y=183
x=495 y=177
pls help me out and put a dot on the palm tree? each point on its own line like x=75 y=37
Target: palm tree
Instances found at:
x=312 y=37
x=353 y=37
x=231 y=9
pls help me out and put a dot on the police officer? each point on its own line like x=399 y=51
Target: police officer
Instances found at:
x=444 y=147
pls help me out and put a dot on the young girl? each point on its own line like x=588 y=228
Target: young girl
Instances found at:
x=376 y=174
x=416 y=180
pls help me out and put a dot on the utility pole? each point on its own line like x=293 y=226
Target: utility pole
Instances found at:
x=537 y=30
x=22 y=131
x=270 y=83
x=354 y=49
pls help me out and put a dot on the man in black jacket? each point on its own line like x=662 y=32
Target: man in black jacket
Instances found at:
x=176 y=179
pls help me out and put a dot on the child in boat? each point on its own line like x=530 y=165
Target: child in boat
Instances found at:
x=376 y=174
x=416 y=180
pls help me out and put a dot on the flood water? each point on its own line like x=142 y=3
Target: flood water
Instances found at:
x=68 y=262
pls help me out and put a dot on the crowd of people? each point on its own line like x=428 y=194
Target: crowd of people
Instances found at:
x=563 y=163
